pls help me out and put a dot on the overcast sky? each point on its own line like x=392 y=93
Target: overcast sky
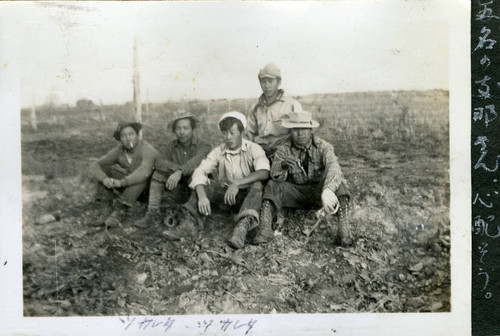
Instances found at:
x=80 y=50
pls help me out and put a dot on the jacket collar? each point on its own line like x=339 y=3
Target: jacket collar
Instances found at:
x=243 y=148
x=194 y=142
x=279 y=96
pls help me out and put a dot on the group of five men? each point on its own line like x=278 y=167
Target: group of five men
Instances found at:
x=269 y=160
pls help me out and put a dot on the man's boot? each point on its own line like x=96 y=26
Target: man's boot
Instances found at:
x=240 y=232
x=152 y=218
x=264 y=230
x=188 y=228
x=344 y=231
x=117 y=216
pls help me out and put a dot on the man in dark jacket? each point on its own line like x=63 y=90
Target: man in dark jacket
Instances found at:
x=124 y=171
x=173 y=170
x=305 y=173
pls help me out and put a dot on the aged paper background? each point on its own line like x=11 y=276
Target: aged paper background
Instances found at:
x=451 y=14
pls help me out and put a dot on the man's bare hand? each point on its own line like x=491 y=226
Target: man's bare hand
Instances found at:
x=117 y=183
x=108 y=182
x=204 y=206
x=173 y=180
x=289 y=163
x=330 y=201
x=230 y=195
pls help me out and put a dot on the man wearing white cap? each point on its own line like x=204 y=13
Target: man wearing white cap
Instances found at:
x=267 y=113
x=305 y=173
x=240 y=166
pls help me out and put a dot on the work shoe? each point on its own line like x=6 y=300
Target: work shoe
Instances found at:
x=264 y=230
x=240 y=232
x=344 y=230
x=116 y=217
x=152 y=218
x=188 y=228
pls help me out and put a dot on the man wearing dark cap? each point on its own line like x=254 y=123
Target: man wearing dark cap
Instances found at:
x=124 y=171
x=173 y=170
x=268 y=112
x=305 y=173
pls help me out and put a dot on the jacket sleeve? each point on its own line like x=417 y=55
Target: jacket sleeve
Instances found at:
x=188 y=167
x=333 y=172
x=207 y=166
x=279 y=174
x=144 y=171
x=165 y=163
x=96 y=168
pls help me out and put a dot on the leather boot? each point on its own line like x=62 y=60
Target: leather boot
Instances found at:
x=117 y=216
x=240 y=232
x=344 y=230
x=152 y=218
x=264 y=230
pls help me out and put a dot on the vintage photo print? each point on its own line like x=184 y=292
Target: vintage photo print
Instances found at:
x=235 y=168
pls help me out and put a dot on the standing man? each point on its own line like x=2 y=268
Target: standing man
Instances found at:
x=172 y=171
x=124 y=171
x=266 y=115
x=240 y=166
x=305 y=173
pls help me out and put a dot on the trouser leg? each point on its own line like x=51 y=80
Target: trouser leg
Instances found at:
x=251 y=202
x=155 y=194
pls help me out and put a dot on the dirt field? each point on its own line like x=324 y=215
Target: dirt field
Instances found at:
x=394 y=151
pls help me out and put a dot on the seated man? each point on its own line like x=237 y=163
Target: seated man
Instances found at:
x=124 y=171
x=240 y=166
x=174 y=169
x=267 y=113
x=305 y=173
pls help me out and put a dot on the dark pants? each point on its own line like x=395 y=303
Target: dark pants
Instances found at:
x=157 y=191
x=290 y=195
x=127 y=195
x=248 y=200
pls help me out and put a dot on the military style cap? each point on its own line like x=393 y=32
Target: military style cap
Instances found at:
x=270 y=71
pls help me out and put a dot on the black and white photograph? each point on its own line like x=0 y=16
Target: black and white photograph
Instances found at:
x=242 y=159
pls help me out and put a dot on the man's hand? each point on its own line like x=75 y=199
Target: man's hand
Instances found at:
x=289 y=163
x=173 y=180
x=330 y=201
x=230 y=195
x=204 y=206
x=117 y=183
x=108 y=182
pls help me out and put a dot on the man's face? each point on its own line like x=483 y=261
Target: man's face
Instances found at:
x=129 y=138
x=183 y=131
x=232 y=137
x=301 y=136
x=270 y=86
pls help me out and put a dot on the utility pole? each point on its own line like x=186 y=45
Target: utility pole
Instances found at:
x=137 y=91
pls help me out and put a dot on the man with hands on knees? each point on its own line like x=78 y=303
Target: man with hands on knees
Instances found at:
x=305 y=173
x=240 y=166
x=174 y=168
x=124 y=172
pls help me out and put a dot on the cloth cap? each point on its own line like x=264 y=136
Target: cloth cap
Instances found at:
x=270 y=71
x=182 y=114
x=123 y=124
x=240 y=116
x=300 y=120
